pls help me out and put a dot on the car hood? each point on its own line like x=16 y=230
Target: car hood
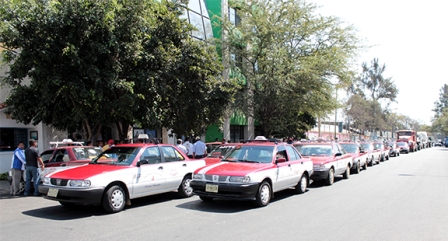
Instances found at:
x=86 y=171
x=233 y=168
x=321 y=159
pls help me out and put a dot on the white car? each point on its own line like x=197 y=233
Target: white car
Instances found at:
x=122 y=173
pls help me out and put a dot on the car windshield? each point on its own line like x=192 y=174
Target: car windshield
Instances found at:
x=221 y=151
x=117 y=156
x=391 y=143
x=298 y=146
x=252 y=154
x=401 y=144
x=321 y=150
x=350 y=148
x=86 y=153
x=378 y=145
x=367 y=146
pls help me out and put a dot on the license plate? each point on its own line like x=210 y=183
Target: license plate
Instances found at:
x=52 y=192
x=211 y=188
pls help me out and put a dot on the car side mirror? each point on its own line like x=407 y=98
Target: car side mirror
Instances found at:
x=280 y=160
x=142 y=162
x=338 y=154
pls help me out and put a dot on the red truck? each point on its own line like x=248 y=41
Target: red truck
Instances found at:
x=408 y=136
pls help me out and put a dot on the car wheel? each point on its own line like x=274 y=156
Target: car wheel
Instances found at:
x=330 y=177
x=387 y=158
x=264 y=194
x=302 y=185
x=206 y=199
x=184 y=188
x=365 y=165
x=346 y=174
x=67 y=204
x=114 y=199
x=358 y=168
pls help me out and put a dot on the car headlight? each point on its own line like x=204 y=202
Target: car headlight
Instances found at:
x=79 y=183
x=239 y=179
x=319 y=166
x=198 y=176
x=46 y=180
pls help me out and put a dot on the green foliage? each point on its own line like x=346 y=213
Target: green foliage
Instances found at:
x=4 y=176
x=440 y=120
x=288 y=54
x=93 y=63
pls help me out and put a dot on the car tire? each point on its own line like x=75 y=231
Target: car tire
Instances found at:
x=67 y=204
x=184 y=189
x=263 y=195
x=346 y=174
x=371 y=162
x=206 y=199
x=114 y=199
x=387 y=158
x=358 y=168
x=365 y=165
x=330 y=178
x=302 y=185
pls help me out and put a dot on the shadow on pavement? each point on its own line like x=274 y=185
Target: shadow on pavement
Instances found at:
x=61 y=213
x=321 y=183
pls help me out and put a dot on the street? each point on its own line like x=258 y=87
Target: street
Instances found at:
x=405 y=198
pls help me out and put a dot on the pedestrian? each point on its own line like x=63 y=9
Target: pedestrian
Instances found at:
x=181 y=147
x=33 y=161
x=17 y=167
x=200 y=149
x=290 y=141
x=100 y=144
x=223 y=141
x=189 y=146
x=89 y=143
x=110 y=143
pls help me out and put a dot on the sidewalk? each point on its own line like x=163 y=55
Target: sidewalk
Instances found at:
x=4 y=188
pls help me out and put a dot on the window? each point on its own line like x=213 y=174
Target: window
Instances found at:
x=152 y=155
x=197 y=15
x=292 y=154
x=171 y=155
x=61 y=155
x=10 y=138
x=281 y=153
x=236 y=133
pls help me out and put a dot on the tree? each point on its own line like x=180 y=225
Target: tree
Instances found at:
x=440 y=120
x=98 y=63
x=288 y=55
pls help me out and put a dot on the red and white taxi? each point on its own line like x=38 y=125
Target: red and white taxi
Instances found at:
x=375 y=155
x=360 y=157
x=122 y=173
x=329 y=159
x=254 y=171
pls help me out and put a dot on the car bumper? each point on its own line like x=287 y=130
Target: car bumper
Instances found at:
x=79 y=195
x=226 y=190
x=319 y=174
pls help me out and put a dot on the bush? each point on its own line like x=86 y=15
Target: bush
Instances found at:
x=4 y=176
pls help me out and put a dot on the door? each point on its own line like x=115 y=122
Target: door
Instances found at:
x=174 y=167
x=298 y=167
x=284 y=170
x=149 y=178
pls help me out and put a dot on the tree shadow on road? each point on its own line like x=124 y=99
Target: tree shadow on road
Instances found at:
x=61 y=213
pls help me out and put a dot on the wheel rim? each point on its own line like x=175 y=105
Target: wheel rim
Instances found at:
x=331 y=176
x=264 y=194
x=303 y=184
x=117 y=199
x=347 y=171
x=187 y=188
x=358 y=168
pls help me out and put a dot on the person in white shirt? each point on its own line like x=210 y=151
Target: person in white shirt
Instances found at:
x=189 y=146
x=200 y=149
x=181 y=147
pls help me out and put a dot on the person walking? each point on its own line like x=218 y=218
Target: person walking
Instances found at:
x=200 y=149
x=181 y=147
x=189 y=146
x=17 y=167
x=32 y=160
x=109 y=144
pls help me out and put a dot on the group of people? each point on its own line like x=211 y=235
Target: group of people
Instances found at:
x=196 y=150
x=27 y=160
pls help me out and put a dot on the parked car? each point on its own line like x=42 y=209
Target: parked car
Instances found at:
x=374 y=155
x=360 y=157
x=122 y=173
x=404 y=147
x=394 y=150
x=254 y=171
x=219 y=153
x=382 y=149
x=329 y=159
x=212 y=145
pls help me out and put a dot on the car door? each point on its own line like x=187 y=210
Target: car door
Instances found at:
x=284 y=170
x=149 y=177
x=297 y=167
x=174 y=167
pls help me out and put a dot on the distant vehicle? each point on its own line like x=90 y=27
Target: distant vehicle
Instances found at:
x=384 y=151
x=394 y=149
x=438 y=143
x=408 y=136
x=404 y=147
x=423 y=138
x=360 y=156
x=446 y=141
x=374 y=155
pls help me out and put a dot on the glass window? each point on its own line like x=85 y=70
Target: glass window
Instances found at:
x=208 y=28
x=350 y=148
x=254 y=154
x=61 y=155
x=85 y=153
x=171 y=155
x=152 y=155
x=196 y=21
x=236 y=133
x=117 y=155
x=194 y=5
x=46 y=155
x=10 y=138
x=292 y=154
x=232 y=16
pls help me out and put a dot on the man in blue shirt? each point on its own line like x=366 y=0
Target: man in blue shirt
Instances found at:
x=17 y=167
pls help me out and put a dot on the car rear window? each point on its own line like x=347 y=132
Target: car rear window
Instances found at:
x=86 y=153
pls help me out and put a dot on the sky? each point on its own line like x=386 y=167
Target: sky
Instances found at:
x=410 y=37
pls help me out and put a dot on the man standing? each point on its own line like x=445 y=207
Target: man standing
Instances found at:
x=189 y=146
x=32 y=158
x=109 y=144
x=200 y=149
x=181 y=147
x=17 y=167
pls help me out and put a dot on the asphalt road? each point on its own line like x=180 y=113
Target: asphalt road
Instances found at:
x=405 y=198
